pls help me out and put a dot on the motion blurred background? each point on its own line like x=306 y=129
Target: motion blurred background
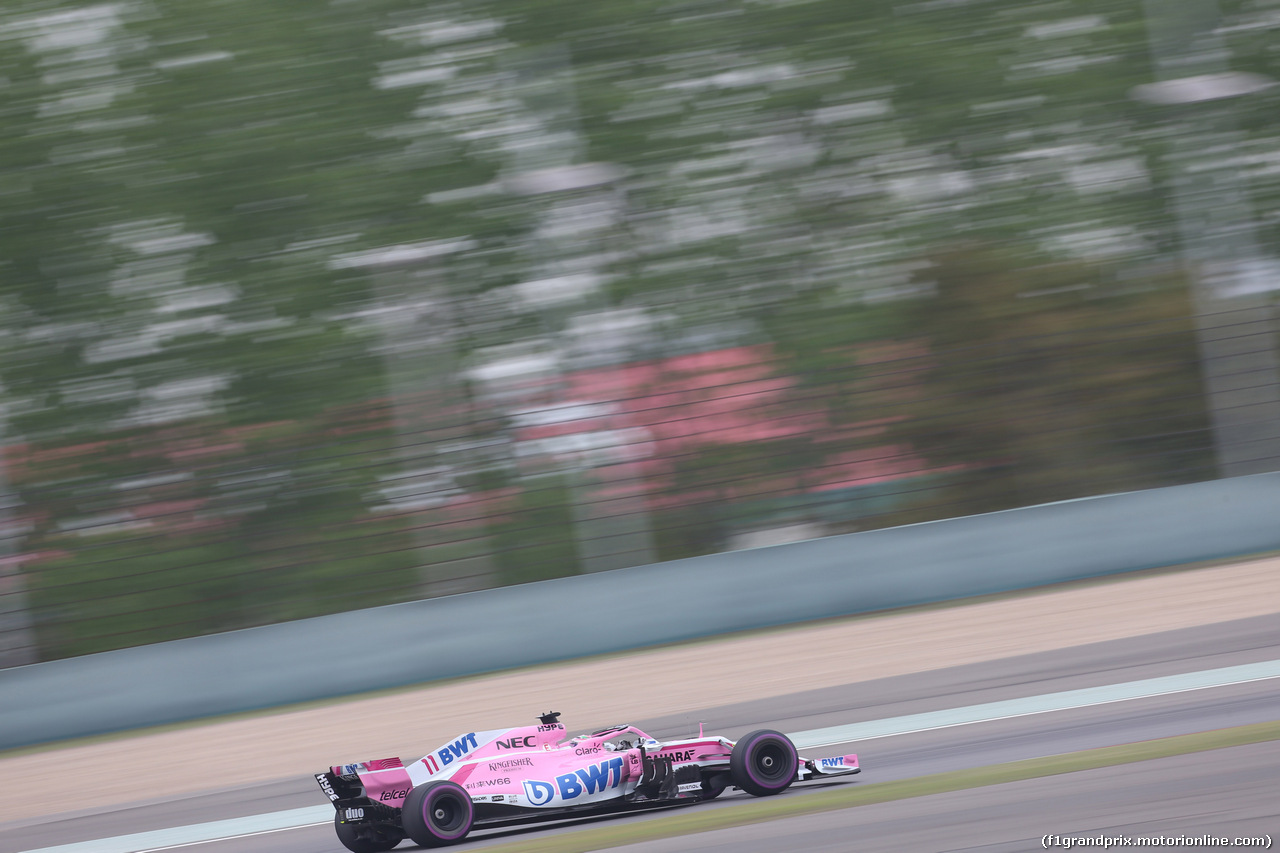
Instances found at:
x=313 y=305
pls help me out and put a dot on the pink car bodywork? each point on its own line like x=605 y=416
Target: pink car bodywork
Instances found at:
x=532 y=772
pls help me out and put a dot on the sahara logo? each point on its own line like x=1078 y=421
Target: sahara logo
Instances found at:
x=539 y=793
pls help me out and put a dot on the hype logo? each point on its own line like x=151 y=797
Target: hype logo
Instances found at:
x=539 y=793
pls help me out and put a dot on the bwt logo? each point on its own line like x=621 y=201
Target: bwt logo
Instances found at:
x=833 y=762
x=539 y=793
x=597 y=777
x=450 y=751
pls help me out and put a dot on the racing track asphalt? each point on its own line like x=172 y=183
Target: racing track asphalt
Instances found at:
x=884 y=759
x=1231 y=795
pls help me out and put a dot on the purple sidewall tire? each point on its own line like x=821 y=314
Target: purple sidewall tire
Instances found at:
x=764 y=763
x=437 y=814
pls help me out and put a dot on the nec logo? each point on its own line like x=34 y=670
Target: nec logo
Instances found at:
x=525 y=742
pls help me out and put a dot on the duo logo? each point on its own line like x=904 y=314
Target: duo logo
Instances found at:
x=597 y=777
x=539 y=793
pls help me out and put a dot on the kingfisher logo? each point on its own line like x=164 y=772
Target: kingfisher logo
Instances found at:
x=539 y=793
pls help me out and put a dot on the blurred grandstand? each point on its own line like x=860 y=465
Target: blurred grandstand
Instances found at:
x=310 y=307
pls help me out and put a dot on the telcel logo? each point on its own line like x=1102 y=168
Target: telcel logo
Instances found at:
x=539 y=793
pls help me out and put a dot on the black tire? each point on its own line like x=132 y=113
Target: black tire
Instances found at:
x=713 y=786
x=437 y=814
x=356 y=842
x=764 y=763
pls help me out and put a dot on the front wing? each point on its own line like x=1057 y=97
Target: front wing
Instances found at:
x=839 y=765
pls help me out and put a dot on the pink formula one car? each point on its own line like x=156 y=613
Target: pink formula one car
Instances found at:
x=535 y=773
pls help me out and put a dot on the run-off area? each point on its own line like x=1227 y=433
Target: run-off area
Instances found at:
x=1051 y=703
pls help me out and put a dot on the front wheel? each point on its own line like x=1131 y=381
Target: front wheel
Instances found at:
x=364 y=840
x=713 y=786
x=764 y=763
x=437 y=814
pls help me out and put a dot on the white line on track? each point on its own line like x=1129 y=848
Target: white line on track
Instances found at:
x=200 y=833
x=223 y=830
x=233 y=837
x=1063 y=701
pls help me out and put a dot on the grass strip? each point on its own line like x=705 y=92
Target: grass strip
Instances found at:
x=758 y=811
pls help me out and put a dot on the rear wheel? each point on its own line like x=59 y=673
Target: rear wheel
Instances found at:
x=764 y=763
x=437 y=814
x=359 y=839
